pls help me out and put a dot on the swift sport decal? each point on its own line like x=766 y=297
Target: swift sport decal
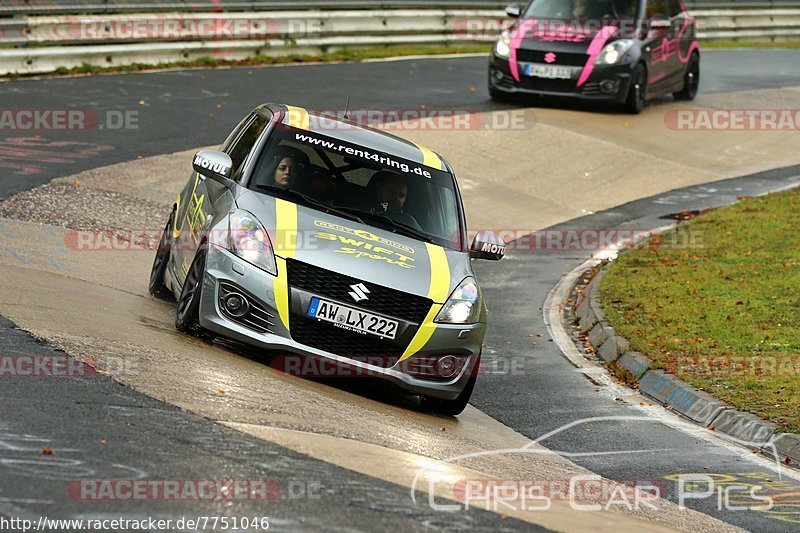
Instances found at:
x=363 y=234
x=365 y=244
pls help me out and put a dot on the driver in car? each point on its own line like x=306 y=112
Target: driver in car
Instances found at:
x=390 y=192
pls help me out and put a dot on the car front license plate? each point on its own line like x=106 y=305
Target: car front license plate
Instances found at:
x=548 y=72
x=352 y=319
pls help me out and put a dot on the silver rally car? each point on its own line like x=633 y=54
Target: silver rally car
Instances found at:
x=327 y=242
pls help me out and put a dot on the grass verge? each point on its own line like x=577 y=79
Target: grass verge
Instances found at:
x=717 y=303
x=750 y=44
x=346 y=54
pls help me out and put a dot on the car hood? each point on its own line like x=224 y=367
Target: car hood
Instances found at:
x=369 y=253
x=565 y=35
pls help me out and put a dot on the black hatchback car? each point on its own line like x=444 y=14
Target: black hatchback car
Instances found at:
x=621 y=51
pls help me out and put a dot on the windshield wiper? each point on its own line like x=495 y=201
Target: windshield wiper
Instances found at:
x=307 y=200
x=397 y=227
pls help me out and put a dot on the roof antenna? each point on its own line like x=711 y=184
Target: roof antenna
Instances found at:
x=347 y=107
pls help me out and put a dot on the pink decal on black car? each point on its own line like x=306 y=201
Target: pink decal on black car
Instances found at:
x=516 y=41
x=594 y=50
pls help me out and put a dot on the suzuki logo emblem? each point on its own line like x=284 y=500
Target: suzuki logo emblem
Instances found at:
x=550 y=57
x=359 y=292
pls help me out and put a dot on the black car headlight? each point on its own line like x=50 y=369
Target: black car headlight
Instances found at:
x=248 y=239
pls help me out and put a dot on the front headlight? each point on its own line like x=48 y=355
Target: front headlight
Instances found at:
x=463 y=306
x=613 y=52
x=248 y=239
x=503 y=46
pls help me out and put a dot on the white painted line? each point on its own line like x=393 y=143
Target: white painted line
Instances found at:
x=425 y=56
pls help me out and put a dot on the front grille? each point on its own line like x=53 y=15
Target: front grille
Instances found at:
x=258 y=319
x=344 y=343
x=562 y=59
x=382 y=300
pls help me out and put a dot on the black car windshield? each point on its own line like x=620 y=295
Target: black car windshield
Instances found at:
x=583 y=9
x=361 y=183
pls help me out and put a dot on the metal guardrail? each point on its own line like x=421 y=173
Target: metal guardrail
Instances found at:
x=64 y=7
x=40 y=44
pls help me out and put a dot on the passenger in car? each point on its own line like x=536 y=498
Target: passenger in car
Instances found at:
x=389 y=193
x=287 y=167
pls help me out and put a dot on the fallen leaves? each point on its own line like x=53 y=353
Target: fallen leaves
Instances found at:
x=47 y=450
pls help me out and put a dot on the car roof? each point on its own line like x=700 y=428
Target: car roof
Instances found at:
x=352 y=132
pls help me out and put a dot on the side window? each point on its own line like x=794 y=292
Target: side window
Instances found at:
x=235 y=133
x=240 y=149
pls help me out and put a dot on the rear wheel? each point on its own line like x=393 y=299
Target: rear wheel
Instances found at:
x=456 y=406
x=637 y=94
x=691 y=80
x=157 y=286
x=187 y=313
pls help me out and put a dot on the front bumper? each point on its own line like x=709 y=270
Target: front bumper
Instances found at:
x=224 y=269
x=596 y=88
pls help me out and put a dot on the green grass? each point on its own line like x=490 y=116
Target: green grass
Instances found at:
x=724 y=313
x=347 y=54
x=750 y=44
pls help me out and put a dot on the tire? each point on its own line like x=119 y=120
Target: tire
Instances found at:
x=157 y=286
x=497 y=96
x=454 y=407
x=637 y=94
x=187 y=312
x=691 y=80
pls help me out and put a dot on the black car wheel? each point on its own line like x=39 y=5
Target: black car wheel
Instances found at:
x=457 y=406
x=691 y=80
x=494 y=94
x=187 y=313
x=157 y=286
x=637 y=94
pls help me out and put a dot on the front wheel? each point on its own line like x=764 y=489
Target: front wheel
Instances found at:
x=188 y=311
x=691 y=81
x=157 y=286
x=637 y=94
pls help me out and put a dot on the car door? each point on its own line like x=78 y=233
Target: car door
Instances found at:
x=658 y=45
x=677 y=41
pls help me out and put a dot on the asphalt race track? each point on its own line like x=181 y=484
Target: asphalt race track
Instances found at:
x=178 y=110
x=530 y=387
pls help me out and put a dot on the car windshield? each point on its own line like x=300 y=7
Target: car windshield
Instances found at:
x=360 y=183
x=583 y=9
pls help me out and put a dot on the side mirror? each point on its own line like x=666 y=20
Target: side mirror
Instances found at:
x=487 y=245
x=213 y=164
x=514 y=10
